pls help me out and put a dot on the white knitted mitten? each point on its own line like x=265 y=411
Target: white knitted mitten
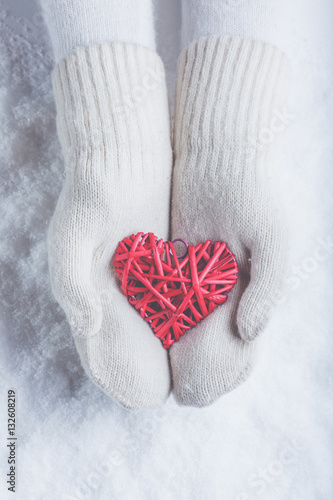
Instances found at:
x=229 y=119
x=113 y=124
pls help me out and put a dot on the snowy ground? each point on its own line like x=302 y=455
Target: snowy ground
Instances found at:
x=272 y=438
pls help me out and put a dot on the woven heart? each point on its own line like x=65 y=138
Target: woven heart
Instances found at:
x=174 y=293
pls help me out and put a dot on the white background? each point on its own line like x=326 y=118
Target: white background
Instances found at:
x=270 y=439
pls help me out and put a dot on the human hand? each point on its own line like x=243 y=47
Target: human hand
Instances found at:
x=228 y=92
x=118 y=169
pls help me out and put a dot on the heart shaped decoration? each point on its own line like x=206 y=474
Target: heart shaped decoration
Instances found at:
x=174 y=293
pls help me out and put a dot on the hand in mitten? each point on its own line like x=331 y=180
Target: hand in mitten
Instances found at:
x=230 y=95
x=113 y=124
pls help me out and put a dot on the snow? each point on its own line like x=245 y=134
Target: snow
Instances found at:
x=270 y=439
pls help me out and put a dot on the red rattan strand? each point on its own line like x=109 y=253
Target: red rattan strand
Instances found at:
x=173 y=295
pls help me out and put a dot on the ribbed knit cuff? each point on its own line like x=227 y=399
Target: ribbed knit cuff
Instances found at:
x=110 y=95
x=227 y=91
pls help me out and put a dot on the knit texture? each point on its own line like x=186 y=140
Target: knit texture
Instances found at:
x=113 y=124
x=254 y=20
x=228 y=126
x=78 y=23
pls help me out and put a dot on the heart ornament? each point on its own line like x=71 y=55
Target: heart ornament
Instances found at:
x=174 y=293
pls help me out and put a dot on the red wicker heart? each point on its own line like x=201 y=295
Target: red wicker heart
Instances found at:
x=174 y=293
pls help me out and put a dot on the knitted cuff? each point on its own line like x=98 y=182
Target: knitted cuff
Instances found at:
x=228 y=90
x=110 y=96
